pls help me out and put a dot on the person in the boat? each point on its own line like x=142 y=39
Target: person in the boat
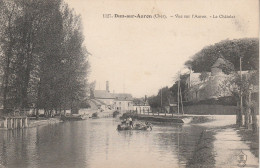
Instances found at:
x=131 y=122
x=147 y=123
x=128 y=121
x=124 y=121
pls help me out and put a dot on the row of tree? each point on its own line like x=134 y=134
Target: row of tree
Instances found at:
x=168 y=95
x=43 y=62
x=244 y=90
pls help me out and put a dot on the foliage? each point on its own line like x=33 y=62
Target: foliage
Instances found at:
x=42 y=57
x=138 y=101
x=227 y=68
x=84 y=104
x=115 y=113
x=92 y=86
x=230 y=50
x=161 y=99
x=233 y=84
x=183 y=87
x=154 y=101
x=169 y=94
x=95 y=115
x=245 y=84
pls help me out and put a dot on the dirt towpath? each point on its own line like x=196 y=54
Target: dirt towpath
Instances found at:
x=229 y=149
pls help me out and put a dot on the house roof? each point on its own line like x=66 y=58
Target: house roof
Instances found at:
x=140 y=102
x=123 y=96
x=103 y=94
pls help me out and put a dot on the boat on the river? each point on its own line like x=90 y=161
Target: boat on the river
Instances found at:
x=74 y=117
x=138 y=126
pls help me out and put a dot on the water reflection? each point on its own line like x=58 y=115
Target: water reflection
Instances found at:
x=96 y=143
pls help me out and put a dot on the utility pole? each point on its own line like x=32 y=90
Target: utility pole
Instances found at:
x=181 y=102
x=241 y=97
x=161 y=100
x=178 y=94
x=190 y=78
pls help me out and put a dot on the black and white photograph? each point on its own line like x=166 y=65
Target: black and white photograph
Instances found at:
x=129 y=83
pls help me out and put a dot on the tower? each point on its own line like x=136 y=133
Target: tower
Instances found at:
x=107 y=86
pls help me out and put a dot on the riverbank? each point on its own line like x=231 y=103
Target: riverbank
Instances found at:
x=41 y=122
x=253 y=138
x=187 y=119
x=203 y=155
x=222 y=144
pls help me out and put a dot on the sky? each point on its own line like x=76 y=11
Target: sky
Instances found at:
x=139 y=56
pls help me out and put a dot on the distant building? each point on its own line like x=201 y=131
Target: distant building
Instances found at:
x=123 y=102
x=141 y=106
x=113 y=101
x=215 y=85
x=104 y=96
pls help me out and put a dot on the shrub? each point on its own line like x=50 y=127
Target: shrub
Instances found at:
x=95 y=114
x=115 y=113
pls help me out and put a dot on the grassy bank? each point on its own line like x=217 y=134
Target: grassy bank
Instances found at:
x=253 y=138
x=203 y=155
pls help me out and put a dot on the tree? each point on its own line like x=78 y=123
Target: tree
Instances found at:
x=154 y=102
x=227 y=67
x=92 y=86
x=161 y=99
x=234 y=85
x=43 y=61
x=9 y=12
x=183 y=86
x=230 y=50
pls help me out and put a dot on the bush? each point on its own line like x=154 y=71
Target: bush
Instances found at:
x=115 y=113
x=95 y=114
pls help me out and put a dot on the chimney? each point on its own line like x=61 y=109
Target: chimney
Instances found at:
x=107 y=86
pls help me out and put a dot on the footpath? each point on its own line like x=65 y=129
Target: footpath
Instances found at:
x=231 y=151
x=229 y=148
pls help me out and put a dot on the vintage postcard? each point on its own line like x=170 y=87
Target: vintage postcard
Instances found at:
x=129 y=83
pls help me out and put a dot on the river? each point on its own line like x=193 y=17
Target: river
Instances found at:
x=96 y=143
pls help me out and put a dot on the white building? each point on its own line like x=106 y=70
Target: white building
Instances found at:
x=114 y=101
x=123 y=102
x=141 y=107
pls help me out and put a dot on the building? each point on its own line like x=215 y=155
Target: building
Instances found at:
x=105 y=100
x=104 y=97
x=123 y=102
x=141 y=106
x=214 y=84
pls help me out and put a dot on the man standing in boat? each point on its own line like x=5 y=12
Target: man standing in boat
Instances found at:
x=131 y=122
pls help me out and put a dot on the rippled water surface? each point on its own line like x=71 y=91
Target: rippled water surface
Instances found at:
x=97 y=144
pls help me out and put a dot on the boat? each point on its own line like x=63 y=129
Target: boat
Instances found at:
x=74 y=117
x=138 y=126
